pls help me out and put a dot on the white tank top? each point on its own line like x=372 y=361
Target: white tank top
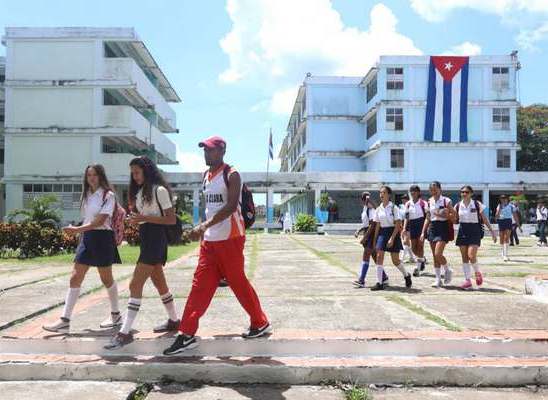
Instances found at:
x=216 y=197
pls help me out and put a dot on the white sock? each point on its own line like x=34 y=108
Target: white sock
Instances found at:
x=169 y=304
x=467 y=271
x=445 y=268
x=438 y=273
x=380 y=270
x=475 y=266
x=402 y=269
x=70 y=302
x=133 y=306
x=505 y=249
x=113 y=297
x=419 y=263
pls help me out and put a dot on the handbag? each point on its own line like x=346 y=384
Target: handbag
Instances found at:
x=173 y=232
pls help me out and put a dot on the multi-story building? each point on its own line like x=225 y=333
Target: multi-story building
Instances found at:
x=376 y=125
x=77 y=96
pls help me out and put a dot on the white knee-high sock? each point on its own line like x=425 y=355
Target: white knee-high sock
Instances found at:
x=133 y=306
x=70 y=302
x=169 y=304
x=476 y=267
x=380 y=270
x=467 y=271
x=402 y=269
x=113 y=298
x=438 y=272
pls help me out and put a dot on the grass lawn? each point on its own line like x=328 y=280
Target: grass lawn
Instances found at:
x=128 y=254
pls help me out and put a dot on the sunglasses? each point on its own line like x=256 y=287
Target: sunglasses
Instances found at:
x=464 y=191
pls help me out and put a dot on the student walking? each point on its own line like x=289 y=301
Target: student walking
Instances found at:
x=504 y=213
x=471 y=216
x=415 y=214
x=387 y=238
x=440 y=232
x=221 y=251
x=542 y=217
x=97 y=247
x=368 y=231
x=516 y=224
x=407 y=255
x=152 y=210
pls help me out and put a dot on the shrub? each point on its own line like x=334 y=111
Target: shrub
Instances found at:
x=41 y=211
x=305 y=223
x=186 y=218
x=30 y=239
x=131 y=235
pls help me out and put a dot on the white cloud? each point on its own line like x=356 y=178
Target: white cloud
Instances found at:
x=528 y=16
x=191 y=162
x=464 y=49
x=275 y=43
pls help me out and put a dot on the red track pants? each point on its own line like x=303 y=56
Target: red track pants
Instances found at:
x=223 y=259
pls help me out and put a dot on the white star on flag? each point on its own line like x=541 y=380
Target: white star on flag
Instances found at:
x=448 y=66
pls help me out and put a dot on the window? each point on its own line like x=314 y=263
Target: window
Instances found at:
x=27 y=188
x=501 y=119
x=78 y=188
x=2 y=78
x=48 y=187
x=394 y=119
x=371 y=126
x=396 y=158
x=2 y=154
x=37 y=188
x=394 y=78
x=67 y=188
x=500 y=78
x=503 y=158
x=371 y=89
x=57 y=188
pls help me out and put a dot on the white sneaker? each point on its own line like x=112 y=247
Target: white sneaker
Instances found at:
x=505 y=258
x=437 y=283
x=448 y=276
x=114 y=320
x=61 y=326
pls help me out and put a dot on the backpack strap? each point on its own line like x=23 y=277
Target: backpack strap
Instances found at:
x=457 y=206
x=478 y=212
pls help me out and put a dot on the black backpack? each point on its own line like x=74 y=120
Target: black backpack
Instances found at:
x=247 y=205
x=173 y=232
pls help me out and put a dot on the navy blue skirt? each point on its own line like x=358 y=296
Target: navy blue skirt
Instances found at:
x=470 y=234
x=414 y=227
x=153 y=244
x=505 y=224
x=97 y=248
x=438 y=231
x=384 y=237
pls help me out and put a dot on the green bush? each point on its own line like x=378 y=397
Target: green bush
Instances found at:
x=30 y=239
x=305 y=223
x=131 y=235
x=186 y=218
x=41 y=211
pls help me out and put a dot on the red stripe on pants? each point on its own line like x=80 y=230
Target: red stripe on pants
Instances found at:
x=217 y=260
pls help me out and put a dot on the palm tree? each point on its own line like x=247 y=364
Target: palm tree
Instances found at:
x=40 y=211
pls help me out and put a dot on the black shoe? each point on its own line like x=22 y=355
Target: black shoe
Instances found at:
x=378 y=286
x=416 y=272
x=182 y=343
x=423 y=265
x=408 y=282
x=254 y=333
x=223 y=283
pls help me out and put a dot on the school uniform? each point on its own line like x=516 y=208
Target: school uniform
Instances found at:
x=387 y=217
x=368 y=214
x=415 y=214
x=153 y=237
x=97 y=247
x=505 y=216
x=470 y=223
x=542 y=217
x=438 y=231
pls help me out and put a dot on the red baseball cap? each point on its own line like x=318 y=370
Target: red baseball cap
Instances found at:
x=212 y=142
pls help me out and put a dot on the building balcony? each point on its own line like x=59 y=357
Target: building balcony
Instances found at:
x=127 y=127
x=124 y=75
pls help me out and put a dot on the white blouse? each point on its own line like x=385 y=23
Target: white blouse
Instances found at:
x=387 y=216
x=469 y=214
x=97 y=203
x=152 y=208
x=442 y=203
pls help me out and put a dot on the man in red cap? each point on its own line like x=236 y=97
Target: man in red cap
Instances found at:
x=221 y=250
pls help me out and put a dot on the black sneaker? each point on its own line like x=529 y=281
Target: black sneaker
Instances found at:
x=253 y=333
x=358 y=284
x=423 y=265
x=416 y=272
x=182 y=343
x=119 y=340
x=379 y=286
x=408 y=282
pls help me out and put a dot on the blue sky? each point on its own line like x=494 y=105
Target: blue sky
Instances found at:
x=237 y=63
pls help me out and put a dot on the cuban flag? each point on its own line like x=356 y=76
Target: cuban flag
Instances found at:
x=447 y=100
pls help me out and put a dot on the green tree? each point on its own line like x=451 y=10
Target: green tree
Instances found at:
x=532 y=131
x=40 y=211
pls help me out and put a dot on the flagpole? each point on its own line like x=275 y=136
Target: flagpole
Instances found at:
x=267 y=172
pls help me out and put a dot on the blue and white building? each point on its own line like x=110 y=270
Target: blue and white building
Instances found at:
x=391 y=127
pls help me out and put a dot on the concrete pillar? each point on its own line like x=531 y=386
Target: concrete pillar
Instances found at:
x=14 y=196
x=196 y=206
x=270 y=209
